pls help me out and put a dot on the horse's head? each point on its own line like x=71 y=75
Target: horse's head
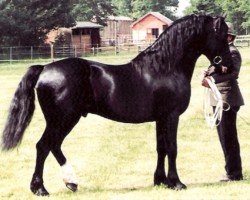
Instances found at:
x=216 y=44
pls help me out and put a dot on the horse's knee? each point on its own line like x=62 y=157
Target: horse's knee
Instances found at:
x=167 y=149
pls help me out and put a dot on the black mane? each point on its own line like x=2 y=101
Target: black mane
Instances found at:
x=168 y=49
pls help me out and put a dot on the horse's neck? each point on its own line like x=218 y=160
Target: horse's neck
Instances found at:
x=177 y=49
x=187 y=63
x=160 y=60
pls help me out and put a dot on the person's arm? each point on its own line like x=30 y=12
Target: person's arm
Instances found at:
x=233 y=72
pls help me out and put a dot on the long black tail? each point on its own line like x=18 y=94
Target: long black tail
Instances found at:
x=21 y=109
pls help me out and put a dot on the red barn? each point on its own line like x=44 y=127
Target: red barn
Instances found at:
x=149 y=27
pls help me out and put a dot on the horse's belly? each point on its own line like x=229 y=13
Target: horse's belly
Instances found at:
x=126 y=110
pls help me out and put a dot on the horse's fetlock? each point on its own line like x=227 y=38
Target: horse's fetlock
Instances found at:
x=37 y=187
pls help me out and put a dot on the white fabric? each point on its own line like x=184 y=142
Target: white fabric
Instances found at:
x=212 y=79
x=212 y=97
x=68 y=174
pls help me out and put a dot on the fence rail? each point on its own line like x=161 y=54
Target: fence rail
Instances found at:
x=53 y=52
x=26 y=53
x=242 y=40
x=29 y=53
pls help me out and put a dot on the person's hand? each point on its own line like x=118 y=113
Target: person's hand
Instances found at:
x=223 y=69
x=205 y=83
x=205 y=73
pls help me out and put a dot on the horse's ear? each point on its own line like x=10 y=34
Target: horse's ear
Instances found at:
x=224 y=15
x=217 y=24
x=203 y=13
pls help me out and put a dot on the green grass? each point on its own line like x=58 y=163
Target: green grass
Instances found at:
x=117 y=161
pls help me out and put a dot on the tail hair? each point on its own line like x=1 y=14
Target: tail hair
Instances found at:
x=21 y=109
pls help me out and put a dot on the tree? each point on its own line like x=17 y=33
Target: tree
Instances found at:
x=124 y=7
x=165 y=7
x=27 y=22
x=138 y=8
x=238 y=11
x=212 y=7
x=93 y=10
x=245 y=7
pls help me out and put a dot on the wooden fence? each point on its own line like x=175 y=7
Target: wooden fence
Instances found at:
x=242 y=40
x=20 y=53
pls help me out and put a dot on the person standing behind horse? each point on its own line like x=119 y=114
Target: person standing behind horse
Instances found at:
x=227 y=84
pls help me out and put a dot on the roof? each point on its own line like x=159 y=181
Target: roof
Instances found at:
x=120 y=18
x=86 y=24
x=157 y=15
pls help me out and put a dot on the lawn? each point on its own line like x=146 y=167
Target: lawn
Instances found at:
x=117 y=161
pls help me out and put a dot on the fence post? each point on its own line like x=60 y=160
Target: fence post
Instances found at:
x=52 y=52
x=31 y=52
x=10 y=55
x=116 y=49
x=75 y=50
x=84 y=48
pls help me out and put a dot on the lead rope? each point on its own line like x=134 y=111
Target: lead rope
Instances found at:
x=212 y=93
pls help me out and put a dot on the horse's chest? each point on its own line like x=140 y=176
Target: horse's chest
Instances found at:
x=171 y=94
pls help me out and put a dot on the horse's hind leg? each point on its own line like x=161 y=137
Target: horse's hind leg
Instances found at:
x=51 y=141
x=43 y=150
x=167 y=145
x=69 y=176
x=61 y=116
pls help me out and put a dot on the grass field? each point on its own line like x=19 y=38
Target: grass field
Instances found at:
x=117 y=161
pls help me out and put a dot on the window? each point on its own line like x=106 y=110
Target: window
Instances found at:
x=165 y=27
x=155 y=32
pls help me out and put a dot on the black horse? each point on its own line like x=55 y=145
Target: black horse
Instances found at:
x=154 y=86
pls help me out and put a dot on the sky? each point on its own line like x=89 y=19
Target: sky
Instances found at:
x=182 y=5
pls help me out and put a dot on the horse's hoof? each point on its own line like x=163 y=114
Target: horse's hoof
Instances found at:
x=40 y=191
x=180 y=186
x=72 y=186
x=36 y=186
x=175 y=185
x=164 y=182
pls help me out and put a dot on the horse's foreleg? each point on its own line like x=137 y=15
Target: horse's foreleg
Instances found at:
x=167 y=145
x=160 y=174
x=172 y=125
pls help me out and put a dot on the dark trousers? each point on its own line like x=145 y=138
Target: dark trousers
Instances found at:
x=227 y=132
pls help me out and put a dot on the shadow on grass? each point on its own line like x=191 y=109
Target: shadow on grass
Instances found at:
x=150 y=187
x=118 y=190
x=93 y=191
x=83 y=191
x=217 y=184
